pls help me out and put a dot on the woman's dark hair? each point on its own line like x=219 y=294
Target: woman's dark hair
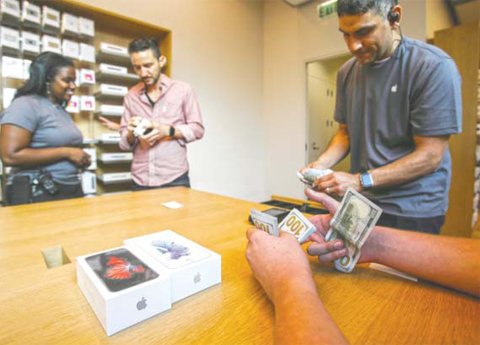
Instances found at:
x=43 y=70
x=141 y=44
x=354 y=7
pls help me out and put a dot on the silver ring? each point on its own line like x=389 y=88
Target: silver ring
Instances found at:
x=327 y=190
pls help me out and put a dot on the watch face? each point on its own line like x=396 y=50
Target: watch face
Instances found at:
x=367 y=180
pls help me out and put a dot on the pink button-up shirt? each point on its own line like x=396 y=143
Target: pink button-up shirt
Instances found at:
x=167 y=159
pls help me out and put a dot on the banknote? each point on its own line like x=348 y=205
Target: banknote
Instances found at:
x=265 y=222
x=346 y=263
x=298 y=225
x=310 y=175
x=355 y=218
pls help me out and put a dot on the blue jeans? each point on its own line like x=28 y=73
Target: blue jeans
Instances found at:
x=182 y=181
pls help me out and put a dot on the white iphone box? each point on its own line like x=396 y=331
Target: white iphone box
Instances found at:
x=192 y=267
x=51 y=44
x=31 y=15
x=122 y=287
x=87 y=76
x=69 y=24
x=86 y=27
x=73 y=106
x=89 y=182
x=30 y=42
x=87 y=103
x=70 y=49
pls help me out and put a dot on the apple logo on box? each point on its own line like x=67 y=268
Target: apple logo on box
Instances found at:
x=197 y=278
x=142 y=304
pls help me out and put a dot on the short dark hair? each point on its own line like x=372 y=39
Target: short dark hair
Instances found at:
x=43 y=70
x=354 y=7
x=141 y=44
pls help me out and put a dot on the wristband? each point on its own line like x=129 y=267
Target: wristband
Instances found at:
x=172 y=131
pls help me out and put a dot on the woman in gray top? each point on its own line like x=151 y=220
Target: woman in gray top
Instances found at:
x=38 y=137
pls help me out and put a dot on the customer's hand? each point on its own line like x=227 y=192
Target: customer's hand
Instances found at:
x=79 y=157
x=276 y=261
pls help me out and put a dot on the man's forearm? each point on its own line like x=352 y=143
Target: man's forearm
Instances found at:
x=423 y=160
x=337 y=149
x=449 y=261
x=301 y=318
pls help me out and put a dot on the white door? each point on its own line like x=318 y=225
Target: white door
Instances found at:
x=321 y=126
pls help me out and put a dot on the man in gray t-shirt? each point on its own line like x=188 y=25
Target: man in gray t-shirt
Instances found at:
x=398 y=101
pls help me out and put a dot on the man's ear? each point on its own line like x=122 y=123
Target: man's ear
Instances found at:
x=162 y=60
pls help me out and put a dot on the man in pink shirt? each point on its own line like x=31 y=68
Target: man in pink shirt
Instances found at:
x=173 y=120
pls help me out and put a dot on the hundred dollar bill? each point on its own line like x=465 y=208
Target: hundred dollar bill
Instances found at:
x=355 y=218
x=298 y=225
x=311 y=175
x=265 y=222
x=346 y=263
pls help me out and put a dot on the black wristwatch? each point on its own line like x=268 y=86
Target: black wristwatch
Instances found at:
x=366 y=180
x=172 y=131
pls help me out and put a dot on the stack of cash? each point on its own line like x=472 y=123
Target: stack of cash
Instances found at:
x=295 y=223
x=352 y=223
x=311 y=175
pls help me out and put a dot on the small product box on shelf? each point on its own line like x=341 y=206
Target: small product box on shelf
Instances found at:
x=87 y=53
x=12 y=67
x=192 y=268
x=70 y=49
x=86 y=27
x=109 y=138
x=113 y=90
x=26 y=69
x=93 y=157
x=122 y=287
x=112 y=49
x=73 y=106
x=89 y=182
x=8 y=94
x=10 y=12
x=51 y=44
x=87 y=103
x=87 y=76
x=113 y=157
x=31 y=15
x=30 y=43
x=112 y=110
x=112 y=69
x=69 y=24
x=50 y=20
x=116 y=177
x=9 y=39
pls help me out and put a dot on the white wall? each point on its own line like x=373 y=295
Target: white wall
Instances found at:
x=218 y=48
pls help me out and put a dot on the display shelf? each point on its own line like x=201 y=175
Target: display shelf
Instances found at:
x=106 y=35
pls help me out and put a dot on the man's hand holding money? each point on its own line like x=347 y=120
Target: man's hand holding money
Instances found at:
x=277 y=262
x=337 y=183
x=334 y=250
x=328 y=181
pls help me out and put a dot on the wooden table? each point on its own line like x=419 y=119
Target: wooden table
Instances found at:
x=45 y=306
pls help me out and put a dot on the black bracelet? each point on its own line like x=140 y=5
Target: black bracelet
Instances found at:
x=172 y=131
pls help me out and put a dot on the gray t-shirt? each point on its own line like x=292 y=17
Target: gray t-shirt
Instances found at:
x=417 y=91
x=51 y=126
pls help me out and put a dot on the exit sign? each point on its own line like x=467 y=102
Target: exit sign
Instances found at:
x=327 y=9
